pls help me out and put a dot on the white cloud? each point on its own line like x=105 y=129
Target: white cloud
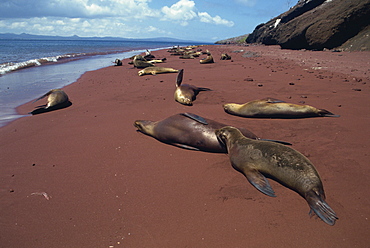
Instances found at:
x=119 y=18
x=157 y=30
x=205 y=17
x=182 y=11
x=185 y=10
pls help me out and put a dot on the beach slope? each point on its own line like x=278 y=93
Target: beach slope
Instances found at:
x=83 y=176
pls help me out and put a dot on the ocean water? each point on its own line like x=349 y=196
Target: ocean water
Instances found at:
x=30 y=68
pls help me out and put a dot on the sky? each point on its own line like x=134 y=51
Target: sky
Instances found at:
x=197 y=20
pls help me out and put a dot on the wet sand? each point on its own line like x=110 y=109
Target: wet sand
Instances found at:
x=84 y=177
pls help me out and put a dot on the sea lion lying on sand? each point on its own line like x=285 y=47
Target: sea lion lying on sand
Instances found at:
x=256 y=159
x=57 y=99
x=188 y=131
x=274 y=108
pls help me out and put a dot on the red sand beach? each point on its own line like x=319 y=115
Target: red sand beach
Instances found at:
x=83 y=177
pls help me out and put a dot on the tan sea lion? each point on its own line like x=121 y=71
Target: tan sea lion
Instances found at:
x=187 y=56
x=57 y=99
x=154 y=61
x=156 y=70
x=207 y=60
x=274 y=108
x=140 y=62
x=188 y=131
x=186 y=93
x=257 y=159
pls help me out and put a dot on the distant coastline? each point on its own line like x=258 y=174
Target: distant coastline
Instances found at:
x=25 y=36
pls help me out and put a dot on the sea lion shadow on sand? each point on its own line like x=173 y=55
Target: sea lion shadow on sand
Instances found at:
x=42 y=108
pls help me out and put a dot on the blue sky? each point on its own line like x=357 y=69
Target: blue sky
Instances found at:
x=198 y=20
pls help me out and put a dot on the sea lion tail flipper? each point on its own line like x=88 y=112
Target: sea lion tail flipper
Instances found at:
x=179 y=77
x=195 y=118
x=260 y=182
x=203 y=89
x=324 y=112
x=278 y=141
x=43 y=96
x=321 y=208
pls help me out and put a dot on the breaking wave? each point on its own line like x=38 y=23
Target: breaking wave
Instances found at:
x=14 y=66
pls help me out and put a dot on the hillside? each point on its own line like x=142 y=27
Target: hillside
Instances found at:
x=318 y=25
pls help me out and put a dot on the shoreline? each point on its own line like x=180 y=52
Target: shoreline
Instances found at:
x=41 y=79
x=82 y=176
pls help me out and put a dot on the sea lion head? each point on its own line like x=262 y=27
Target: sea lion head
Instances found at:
x=231 y=107
x=227 y=133
x=144 y=126
x=183 y=98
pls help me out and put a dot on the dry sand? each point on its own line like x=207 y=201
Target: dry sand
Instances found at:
x=83 y=177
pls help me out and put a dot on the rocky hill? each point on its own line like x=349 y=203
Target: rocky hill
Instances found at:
x=235 y=40
x=318 y=24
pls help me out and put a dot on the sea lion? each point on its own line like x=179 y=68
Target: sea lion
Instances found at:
x=207 y=60
x=186 y=93
x=57 y=99
x=148 y=55
x=156 y=70
x=225 y=56
x=117 y=62
x=255 y=159
x=274 y=108
x=153 y=61
x=140 y=62
x=187 y=56
x=188 y=131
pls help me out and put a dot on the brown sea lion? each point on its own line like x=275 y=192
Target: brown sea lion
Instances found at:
x=274 y=108
x=188 y=131
x=225 y=56
x=57 y=99
x=156 y=70
x=117 y=62
x=186 y=93
x=207 y=60
x=187 y=56
x=140 y=62
x=148 y=55
x=257 y=159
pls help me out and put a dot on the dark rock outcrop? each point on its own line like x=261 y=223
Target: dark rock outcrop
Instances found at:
x=317 y=24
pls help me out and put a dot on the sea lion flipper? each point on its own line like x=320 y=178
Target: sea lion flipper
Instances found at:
x=324 y=112
x=45 y=95
x=179 y=77
x=260 y=182
x=203 y=89
x=321 y=208
x=273 y=100
x=195 y=118
x=186 y=147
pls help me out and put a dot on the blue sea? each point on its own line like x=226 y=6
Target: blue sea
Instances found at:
x=30 y=68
